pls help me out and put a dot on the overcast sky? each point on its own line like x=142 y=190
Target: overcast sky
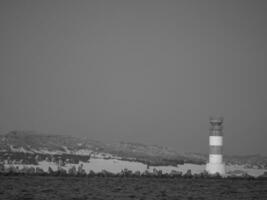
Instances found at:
x=140 y=71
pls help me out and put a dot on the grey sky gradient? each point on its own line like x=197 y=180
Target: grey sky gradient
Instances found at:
x=140 y=71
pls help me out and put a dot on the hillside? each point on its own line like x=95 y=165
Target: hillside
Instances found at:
x=30 y=142
x=28 y=148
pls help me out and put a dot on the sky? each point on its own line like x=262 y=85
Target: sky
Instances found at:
x=151 y=72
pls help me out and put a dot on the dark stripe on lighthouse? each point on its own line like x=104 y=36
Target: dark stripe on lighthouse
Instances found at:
x=215 y=149
x=216 y=133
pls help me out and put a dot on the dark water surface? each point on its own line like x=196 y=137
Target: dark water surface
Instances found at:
x=81 y=188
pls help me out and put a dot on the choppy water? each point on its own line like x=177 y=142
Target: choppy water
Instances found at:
x=31 y=187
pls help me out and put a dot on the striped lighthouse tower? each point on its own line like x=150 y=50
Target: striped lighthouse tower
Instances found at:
x=216 y=164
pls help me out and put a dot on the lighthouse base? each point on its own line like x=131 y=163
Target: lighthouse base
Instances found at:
x=213 y=168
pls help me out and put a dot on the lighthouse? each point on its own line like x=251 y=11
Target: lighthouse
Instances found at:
x=216 y=164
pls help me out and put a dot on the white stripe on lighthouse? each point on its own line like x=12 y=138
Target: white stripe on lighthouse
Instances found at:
x=215 y=158
x=216 y=140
